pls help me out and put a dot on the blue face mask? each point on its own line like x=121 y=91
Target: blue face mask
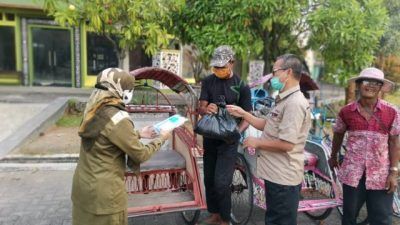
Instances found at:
x=276 y=84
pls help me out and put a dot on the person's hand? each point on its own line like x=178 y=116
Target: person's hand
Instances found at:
x=165 y=134
x=212 y=108
x=148 y=132
x=235 y=110
x=251 y=142
x=391 y=182
x=333 y=161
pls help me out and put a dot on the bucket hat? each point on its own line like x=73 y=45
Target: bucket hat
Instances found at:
x=222 y=55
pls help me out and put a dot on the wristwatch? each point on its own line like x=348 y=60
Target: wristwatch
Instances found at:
x=394 y=169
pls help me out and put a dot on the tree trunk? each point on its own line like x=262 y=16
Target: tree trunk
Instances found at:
x=350 y=92
x=121 y=56
x=266 y=52
x=266 y=58
x=119 y=52
x=197 y=69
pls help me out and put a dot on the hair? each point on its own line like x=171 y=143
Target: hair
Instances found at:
x=293 y=62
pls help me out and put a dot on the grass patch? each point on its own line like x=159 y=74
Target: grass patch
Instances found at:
x=73 y=114
x=68 y=120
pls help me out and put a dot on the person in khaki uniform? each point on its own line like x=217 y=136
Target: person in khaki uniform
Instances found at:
x=280 y=151
x=107 y=135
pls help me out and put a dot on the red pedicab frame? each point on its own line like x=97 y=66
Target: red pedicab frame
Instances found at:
x=183 y=141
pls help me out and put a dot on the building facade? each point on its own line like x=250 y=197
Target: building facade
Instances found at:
x=35 y=51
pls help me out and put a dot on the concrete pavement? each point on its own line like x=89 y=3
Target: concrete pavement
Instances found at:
x=41 y=196
x=13 y=116
x=37 y=196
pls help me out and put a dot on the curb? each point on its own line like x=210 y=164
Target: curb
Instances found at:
x=33 y=163
x=26 y=159
x=12 y=167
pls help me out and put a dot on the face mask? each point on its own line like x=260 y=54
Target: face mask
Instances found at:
x=276 y=84
x=127 y=96
x=222 y=73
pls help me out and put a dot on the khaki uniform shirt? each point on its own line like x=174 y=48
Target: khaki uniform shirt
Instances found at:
x=98 y=184
x=289 y=121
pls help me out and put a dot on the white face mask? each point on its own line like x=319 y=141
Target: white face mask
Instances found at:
x=127 y=96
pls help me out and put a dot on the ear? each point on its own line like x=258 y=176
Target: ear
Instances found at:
x=290 y=72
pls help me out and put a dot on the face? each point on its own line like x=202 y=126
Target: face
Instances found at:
x=223 y=72
x=369 y=88
x=279 y=71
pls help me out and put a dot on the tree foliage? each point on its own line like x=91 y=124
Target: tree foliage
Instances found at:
x=345 y=33
x=389 y=43
x=388 y=53
x=132 y=22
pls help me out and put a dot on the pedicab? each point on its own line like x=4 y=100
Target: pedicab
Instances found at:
x=170 y=180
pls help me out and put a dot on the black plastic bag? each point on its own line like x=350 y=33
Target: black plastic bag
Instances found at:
x=221 y=126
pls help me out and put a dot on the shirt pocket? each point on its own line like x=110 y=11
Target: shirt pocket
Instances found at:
x=274 y=118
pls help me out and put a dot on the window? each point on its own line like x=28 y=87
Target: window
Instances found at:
x=101 y=54
x=10 y=17
x=7 y=49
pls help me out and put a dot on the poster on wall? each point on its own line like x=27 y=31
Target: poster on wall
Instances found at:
x=256 y=70
x=169 y=60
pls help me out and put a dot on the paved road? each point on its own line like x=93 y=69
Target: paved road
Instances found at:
x=42 y=197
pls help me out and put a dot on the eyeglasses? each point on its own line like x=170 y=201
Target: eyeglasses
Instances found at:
x=371 y=83
x=276 y=70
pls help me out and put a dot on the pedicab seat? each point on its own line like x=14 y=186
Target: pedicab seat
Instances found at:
x=164 y=160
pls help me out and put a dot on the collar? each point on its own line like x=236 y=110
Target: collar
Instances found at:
x=356 y=104
x=286 y=93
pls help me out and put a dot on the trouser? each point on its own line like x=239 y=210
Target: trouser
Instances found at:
x=379 y=204
x=282 y=203
x=219 y=163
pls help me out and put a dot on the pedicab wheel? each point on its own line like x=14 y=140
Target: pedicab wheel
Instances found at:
x=242 y=192
x=319 y=214
x=191 y=216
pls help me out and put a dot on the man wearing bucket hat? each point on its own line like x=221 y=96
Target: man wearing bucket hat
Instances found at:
x=107 y=135
x=370 y=167
x=223 y=86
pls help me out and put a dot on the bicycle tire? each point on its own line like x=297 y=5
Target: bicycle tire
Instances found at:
x=190 y=217
x=240 y=216
x=320 y=215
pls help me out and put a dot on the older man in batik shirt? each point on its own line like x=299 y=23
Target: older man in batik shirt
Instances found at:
x=369 y=170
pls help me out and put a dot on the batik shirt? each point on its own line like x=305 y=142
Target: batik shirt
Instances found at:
x=367 y=143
